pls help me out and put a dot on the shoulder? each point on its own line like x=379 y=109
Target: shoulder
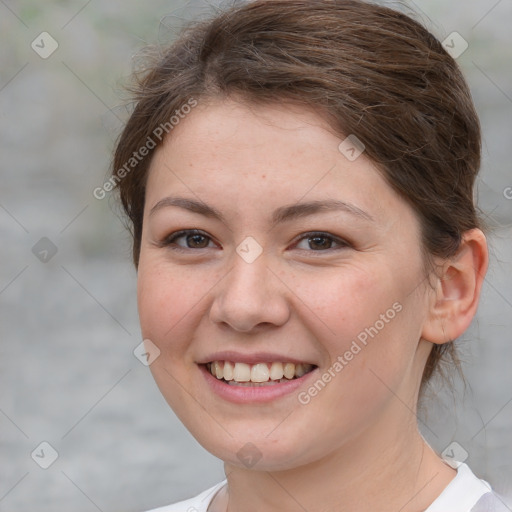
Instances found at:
x=468 y=493
x=198 y=503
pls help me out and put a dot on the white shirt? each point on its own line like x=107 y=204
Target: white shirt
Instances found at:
x=465 y=493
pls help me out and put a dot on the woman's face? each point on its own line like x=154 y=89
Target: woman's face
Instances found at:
x=302 y=254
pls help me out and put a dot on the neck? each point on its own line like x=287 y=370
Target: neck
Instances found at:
x=406 y=476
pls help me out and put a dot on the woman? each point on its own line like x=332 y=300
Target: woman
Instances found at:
x=299 y=178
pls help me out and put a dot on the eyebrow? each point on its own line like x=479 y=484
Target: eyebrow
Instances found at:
x=280 y=215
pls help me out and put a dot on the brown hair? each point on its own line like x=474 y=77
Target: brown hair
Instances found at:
x=372 y=71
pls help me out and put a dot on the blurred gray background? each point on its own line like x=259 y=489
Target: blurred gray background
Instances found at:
x=68 y=319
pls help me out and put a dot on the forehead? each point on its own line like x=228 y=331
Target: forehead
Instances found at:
x=238 y=155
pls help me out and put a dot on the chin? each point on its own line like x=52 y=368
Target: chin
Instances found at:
x=256 y=452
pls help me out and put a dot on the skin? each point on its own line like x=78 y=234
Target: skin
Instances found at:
x=356 y=444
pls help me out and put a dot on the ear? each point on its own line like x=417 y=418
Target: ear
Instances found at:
x=457 y=290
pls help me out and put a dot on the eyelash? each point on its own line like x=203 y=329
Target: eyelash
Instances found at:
x=170 y=240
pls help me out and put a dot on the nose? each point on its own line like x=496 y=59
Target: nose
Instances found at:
x=250 y=297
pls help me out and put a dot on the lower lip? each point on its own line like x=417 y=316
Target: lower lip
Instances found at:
x=253 y=394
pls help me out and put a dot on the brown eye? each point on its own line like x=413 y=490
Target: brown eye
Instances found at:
x=197 y=241
x=187 y=239
x=320 y=242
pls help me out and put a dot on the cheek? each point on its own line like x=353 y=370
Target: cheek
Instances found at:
x=164 y=299
x=172 y=302
x=367 y=322
x=167 y=302
x=345 y=301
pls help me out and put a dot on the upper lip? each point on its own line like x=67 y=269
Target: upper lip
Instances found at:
x=250 y=358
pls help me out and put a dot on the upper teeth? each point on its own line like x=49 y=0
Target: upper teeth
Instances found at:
x=260 y=372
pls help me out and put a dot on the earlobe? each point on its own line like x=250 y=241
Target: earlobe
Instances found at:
x=457 y=290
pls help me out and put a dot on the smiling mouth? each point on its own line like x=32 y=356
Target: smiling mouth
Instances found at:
x=259 y=374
